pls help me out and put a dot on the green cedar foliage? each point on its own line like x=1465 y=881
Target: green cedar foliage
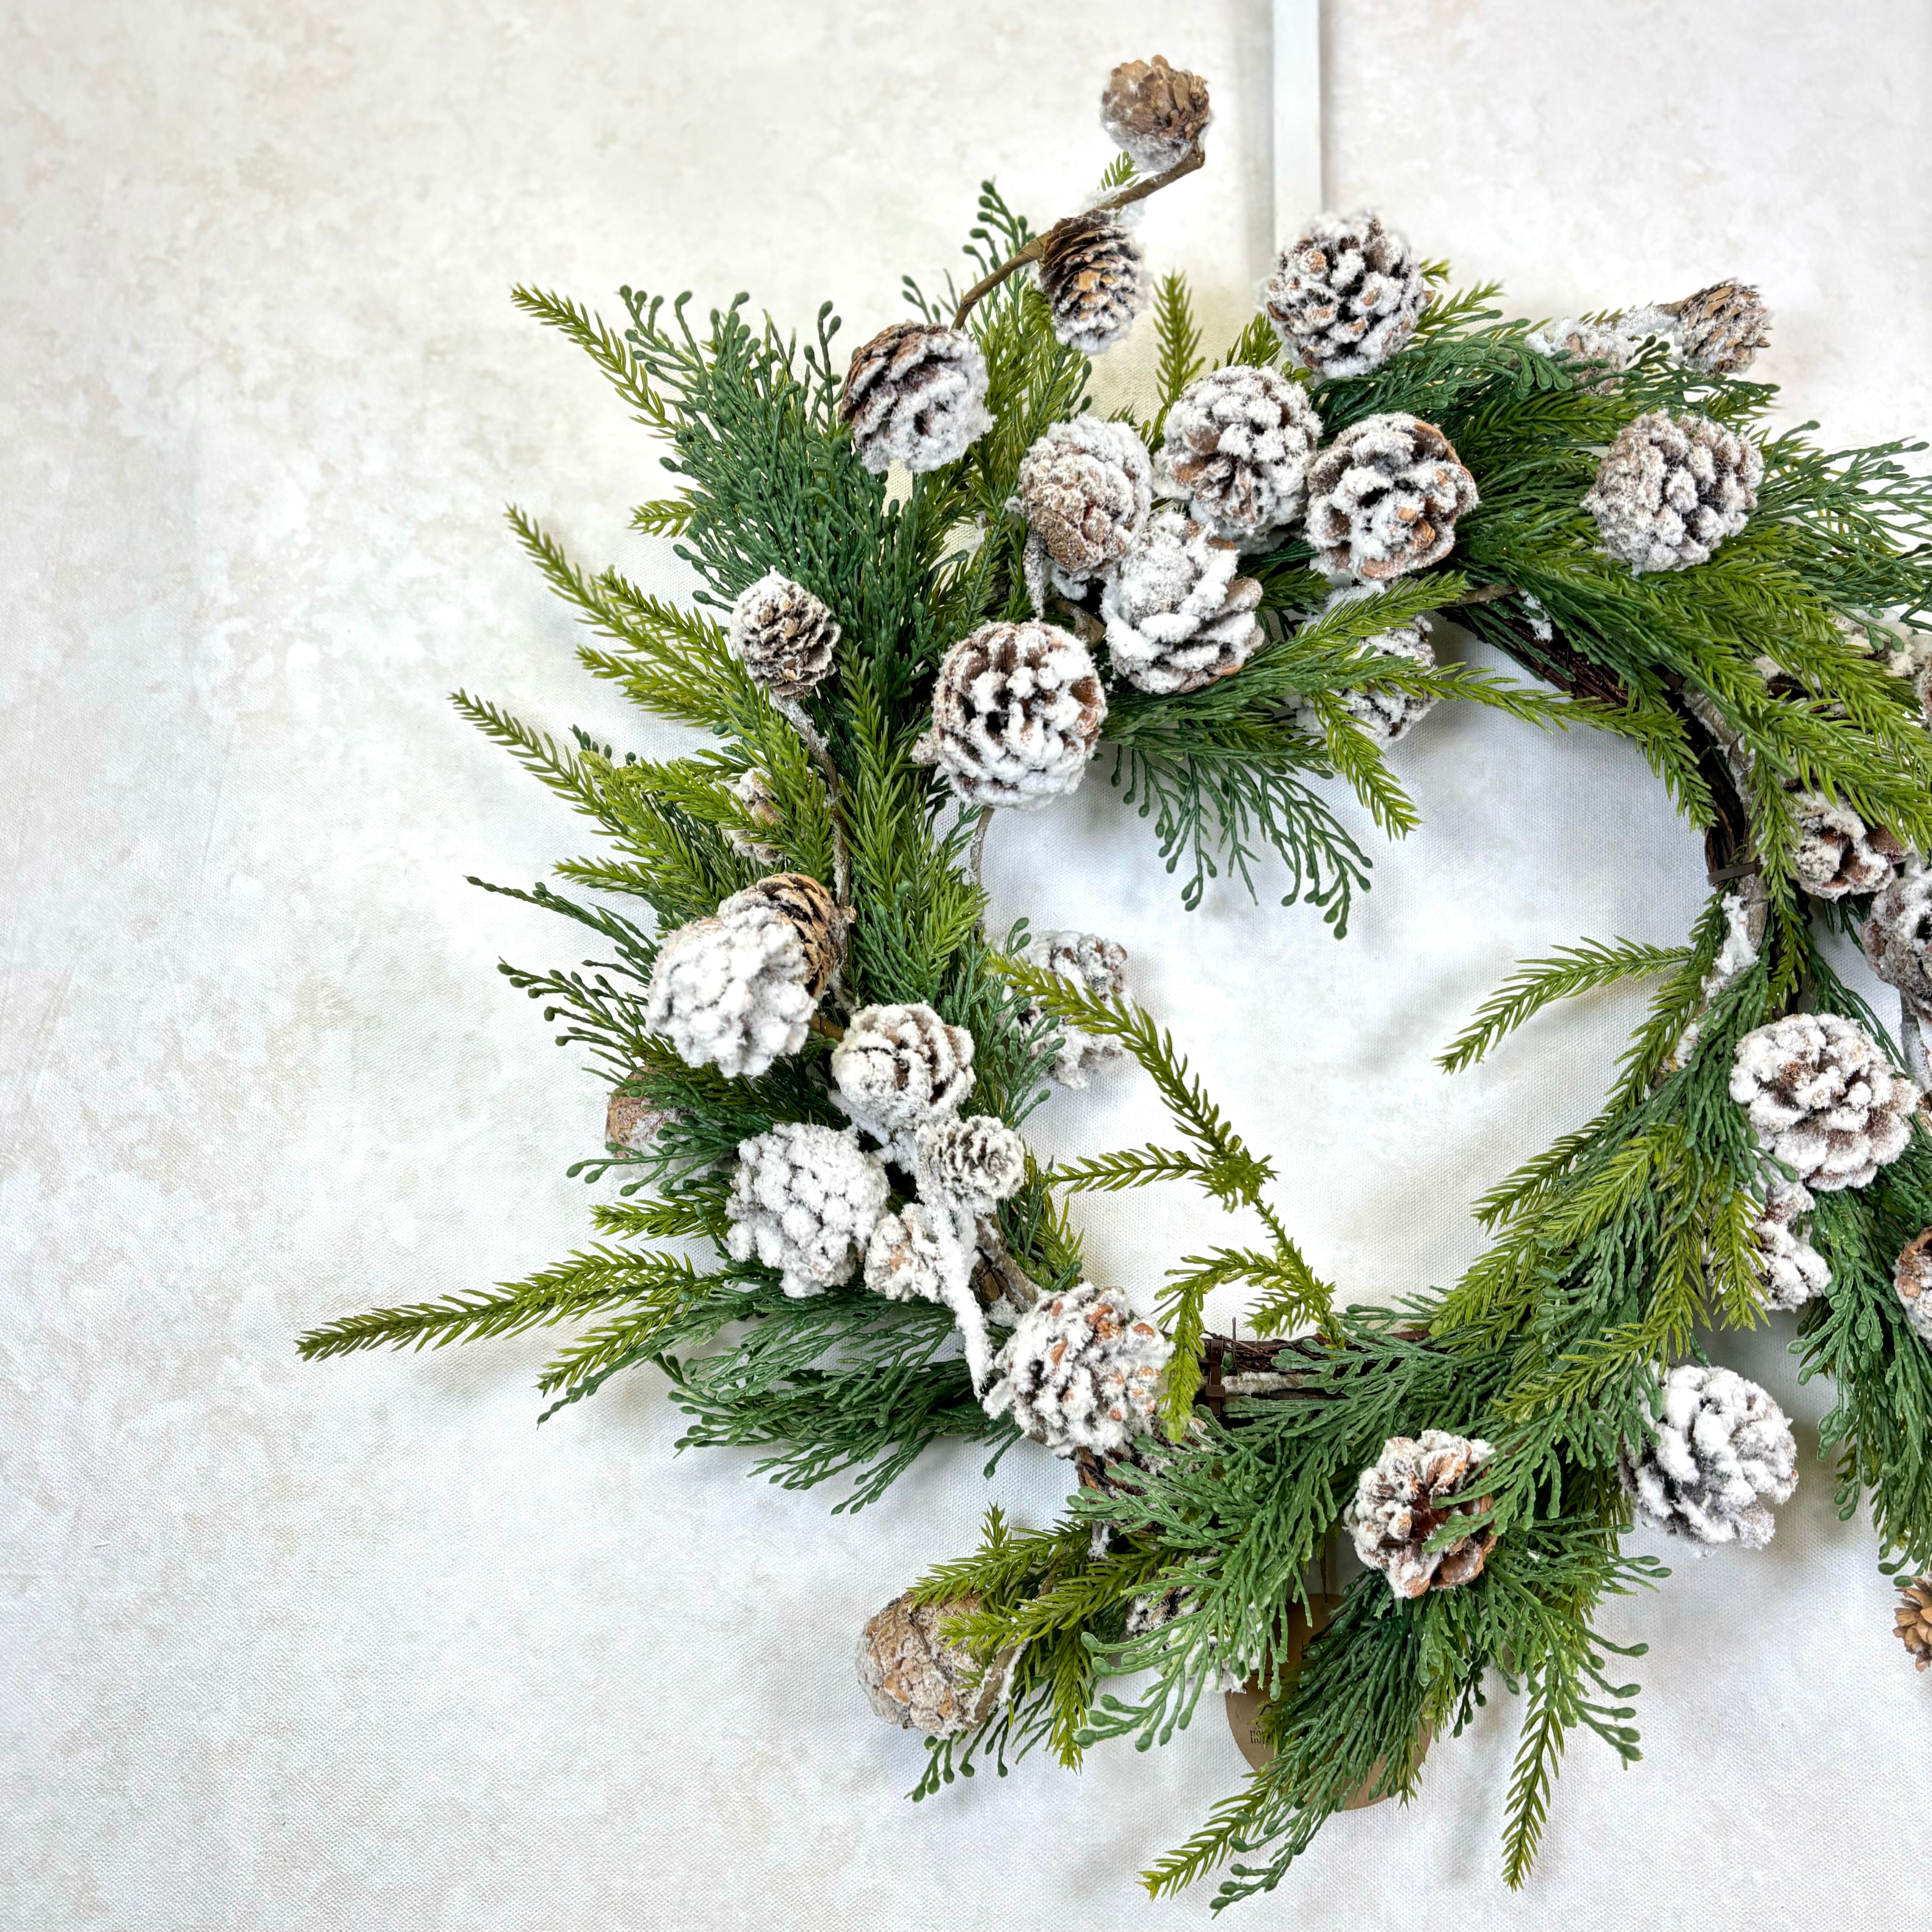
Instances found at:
x=1620 y=1249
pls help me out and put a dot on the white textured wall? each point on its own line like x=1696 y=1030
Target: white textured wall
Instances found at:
x=289 y=1647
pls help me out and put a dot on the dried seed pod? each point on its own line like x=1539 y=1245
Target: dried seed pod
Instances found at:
x=915 y=1678
x=1156 y=112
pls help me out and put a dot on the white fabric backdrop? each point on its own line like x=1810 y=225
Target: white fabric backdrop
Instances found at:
x=296 y=1647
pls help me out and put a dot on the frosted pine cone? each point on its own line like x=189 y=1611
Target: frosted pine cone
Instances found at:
x=759 y=805
x=1384 y=712
x=1838 y=854
x=972 y=1164
x=1720 y=329
x=916 y=1255
x=782 y=635
x=1236 y=452
x=1898 y=937
x=1157 y=112
x=1912 y=1620
x=738 y=990
x=1912 y=1278
x=1823 y=1098
x=1792 y=1269
x=1100 y=966
x=1177 y=617
x=1671 y=489
x=915 y=394
x=1016 y=714
x=1084 y=490
x=1082 y=1371
x=914 y=1678
x=1094 y=281
x=1401 y=1499
x=898 y=1067
x=1346 y=296
x=1577 y=339
x=1722 y=1446
x=1384 y=497
x=805 y=1200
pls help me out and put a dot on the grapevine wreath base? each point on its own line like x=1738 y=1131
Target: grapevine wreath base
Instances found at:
x=937 y=586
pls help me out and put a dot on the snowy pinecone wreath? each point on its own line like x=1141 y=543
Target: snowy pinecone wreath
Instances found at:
x=935 y=584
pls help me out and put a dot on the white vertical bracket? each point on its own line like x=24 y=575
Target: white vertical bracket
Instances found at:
x=1297 y=114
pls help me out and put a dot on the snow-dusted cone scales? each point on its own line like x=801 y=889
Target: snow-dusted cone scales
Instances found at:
x=1405 y=1497
x=805 y=1200
x=1157 y=112
x=1823 y=1098
x=1093 y=279
x=1096 y=965
x=1720 y=329
x=1082 y=1371
x=1792 y=1270
x=782 y=634
x=915 y=1678
x=1897 y=936
x=1722 y=1454
x=737 y=990
x=1085 y=490
x=1385 y=712
x=1017 y=710
x=1177 y=614
x=1345 y=296
x=900 y=1066
x=1837 y=854
x=1912 y=1620
x=915 y=394
x=1671 y=489
x=1384 y=497
x=1236 y=450
x=972 y=1164
x=1912 y=1279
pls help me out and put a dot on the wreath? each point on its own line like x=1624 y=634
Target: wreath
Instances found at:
x=937 y=586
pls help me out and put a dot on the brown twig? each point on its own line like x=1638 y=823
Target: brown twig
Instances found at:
x=1122 y=197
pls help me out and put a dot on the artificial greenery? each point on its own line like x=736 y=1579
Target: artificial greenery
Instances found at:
x=1619 y=1249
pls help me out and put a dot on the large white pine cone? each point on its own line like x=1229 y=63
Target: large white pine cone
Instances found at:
x=915 y=394
x=1093 y=279
x=914 y=1678
x=1837 y=854
x=1156 y=112
x=1236 y=450
x=900 y=1066
x=1386 y=712
x=1720 y=329
x=1897 y=936
x=1823 y=1098
x=1722 y=1448
x=1912 y=1279
x=1384 y=497
x=782 y=634
x=1177 y=617
x=805 y=1200
x=1080 y=1371
x=1017 y=710
x=972 y=1164
x=1345 y=296
x=1792 y=1270
x=1401 y=1500
x=1098 y=966
x=1084 y=489
x=1671 y=489
x=738 y=990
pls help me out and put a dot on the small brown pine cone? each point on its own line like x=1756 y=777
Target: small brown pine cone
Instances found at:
x=1912 y=1278
x=1403 y=1499
x=1092 y=276
x=1384 y=497
x=916 y=1679
x=809 y=907
x=629 y=1122
x=915 y=394
x=1721 y=328
x=782 y=634
x=1156 y=112
x=1913 y=1620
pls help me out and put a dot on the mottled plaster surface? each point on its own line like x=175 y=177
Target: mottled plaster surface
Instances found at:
x=356 y=1645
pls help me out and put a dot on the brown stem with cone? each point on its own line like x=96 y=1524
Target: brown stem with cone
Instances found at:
x=1124 y=197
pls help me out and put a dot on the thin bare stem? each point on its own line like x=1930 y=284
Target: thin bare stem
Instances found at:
x=1122 y=197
